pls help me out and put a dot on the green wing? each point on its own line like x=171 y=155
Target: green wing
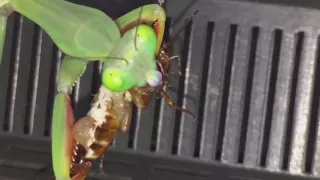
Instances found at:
x=77 y=30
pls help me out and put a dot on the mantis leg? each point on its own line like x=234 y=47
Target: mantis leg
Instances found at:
x=169 y=101
x=63 y=142
x=179 y=66
x=82 y=171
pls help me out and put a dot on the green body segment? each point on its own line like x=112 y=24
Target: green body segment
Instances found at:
x=62 y=141
x=77 y=30
x=132 y=60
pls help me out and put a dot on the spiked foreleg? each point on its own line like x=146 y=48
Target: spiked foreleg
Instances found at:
x=63 y=117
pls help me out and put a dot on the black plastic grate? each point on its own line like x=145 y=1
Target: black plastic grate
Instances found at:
x=249 y=76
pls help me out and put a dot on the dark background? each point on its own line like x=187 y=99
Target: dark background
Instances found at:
x=251 y=79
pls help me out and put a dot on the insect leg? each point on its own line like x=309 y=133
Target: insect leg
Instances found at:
x=170 y=102
x=179 y=65
x=82 y=171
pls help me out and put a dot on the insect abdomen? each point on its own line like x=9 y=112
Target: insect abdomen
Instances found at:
x=104 y=135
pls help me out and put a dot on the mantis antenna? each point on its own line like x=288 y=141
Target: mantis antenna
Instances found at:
x=135 y=38
x=167 y=45
x=117 y=58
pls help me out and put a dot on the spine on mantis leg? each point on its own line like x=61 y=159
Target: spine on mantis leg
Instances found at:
x=63 y=119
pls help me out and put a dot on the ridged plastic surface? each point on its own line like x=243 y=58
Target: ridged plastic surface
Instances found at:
x=250 y=77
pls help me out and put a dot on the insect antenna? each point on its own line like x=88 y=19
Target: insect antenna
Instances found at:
x=139 y=21
x=168 y=44
x=117 y=58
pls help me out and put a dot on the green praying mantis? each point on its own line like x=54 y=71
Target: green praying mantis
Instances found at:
x=129 y=48
x=86 y=34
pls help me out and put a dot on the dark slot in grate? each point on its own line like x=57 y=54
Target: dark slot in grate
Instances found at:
x=133 y=126
x=204 y=81
x=185 y=57
x=313 y=123
x=53 y=78
x=271 y=94
x=7 y=126
x=34 y=78
x=226 y=85
x=168 y=38
x=299 y=38
x=244 y=126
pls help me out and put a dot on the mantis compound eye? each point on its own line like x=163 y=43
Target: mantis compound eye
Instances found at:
x=156 y=79
x=113 y=80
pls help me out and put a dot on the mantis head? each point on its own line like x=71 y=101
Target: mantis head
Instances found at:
x=139 y=65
